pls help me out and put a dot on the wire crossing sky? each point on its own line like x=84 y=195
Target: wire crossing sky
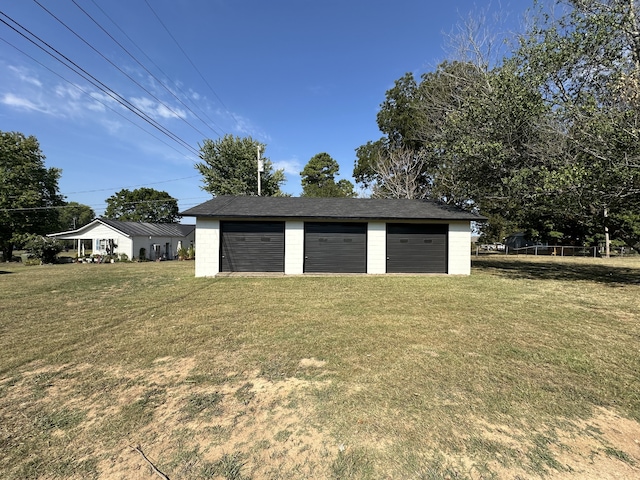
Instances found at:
x=123 y=93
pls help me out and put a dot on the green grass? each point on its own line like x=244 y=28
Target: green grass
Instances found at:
x=424 y=376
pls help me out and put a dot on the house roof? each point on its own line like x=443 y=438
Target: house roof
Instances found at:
x=328 y=208
x=134 y=229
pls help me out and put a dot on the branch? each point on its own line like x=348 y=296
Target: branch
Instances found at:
x=153 y=467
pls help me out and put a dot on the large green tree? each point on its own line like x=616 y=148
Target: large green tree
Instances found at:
x=142 y=205
x=75 y=215
x=230 y=167
x=28 y=191
x=460 y=136
x=318 y=178
x=586 y=64
x=546 y=141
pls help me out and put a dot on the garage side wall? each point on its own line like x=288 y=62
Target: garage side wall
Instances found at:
x=460 y=248
x=376 y=247
x=208 y=247
x=294 y=248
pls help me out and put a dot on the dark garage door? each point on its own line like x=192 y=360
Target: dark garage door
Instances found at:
x=252 y=247
x=415 y=248
x=335 y=247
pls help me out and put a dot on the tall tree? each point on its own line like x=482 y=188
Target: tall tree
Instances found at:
x=75 y=215
x=318 y=178
x=142 y=205
x=586 y=64
x=28 y=190
x=230 y=167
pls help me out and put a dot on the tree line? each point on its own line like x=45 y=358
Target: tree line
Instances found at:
x=545 y=141
x=31 y=205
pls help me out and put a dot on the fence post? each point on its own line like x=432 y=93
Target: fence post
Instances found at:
x=562 y=251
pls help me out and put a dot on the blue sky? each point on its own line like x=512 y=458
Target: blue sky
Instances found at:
x=302 y=76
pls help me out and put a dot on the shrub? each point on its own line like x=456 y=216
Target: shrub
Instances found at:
x=123 y=257
x=43 y=248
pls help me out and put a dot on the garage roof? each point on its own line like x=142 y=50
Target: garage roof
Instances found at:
x=328 y=208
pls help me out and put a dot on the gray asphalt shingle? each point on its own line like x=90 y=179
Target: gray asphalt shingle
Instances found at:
x=328 y=208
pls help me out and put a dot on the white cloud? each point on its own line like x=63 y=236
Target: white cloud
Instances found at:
x=68 y=91
x=15 y=101
x=155 y=109
x=291 y=166
x=24 y=76
x=244 y=127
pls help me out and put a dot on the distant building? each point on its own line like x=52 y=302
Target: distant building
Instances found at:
x=113 y=237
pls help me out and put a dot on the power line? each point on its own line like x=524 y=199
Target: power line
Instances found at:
x=61 y=207
x=89 y=95
x=117 y=67
x=130 y=186
x=190 y=61
x=95 y=82
x=155 y=65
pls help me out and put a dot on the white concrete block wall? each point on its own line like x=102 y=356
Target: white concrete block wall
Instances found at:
x=293 y=248
x=207 y=247
x=459 y=248
x=377 y=247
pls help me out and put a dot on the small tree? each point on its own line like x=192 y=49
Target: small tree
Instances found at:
x=230 y=167
x=318 y=178
x=75 y=215
x=142 y=205
x=43 y=248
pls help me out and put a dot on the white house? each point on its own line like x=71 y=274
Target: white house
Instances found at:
x=159 y=240
x=297 y=235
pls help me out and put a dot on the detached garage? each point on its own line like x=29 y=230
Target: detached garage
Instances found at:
x=298 y=236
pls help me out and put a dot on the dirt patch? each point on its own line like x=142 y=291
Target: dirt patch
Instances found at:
x=189 y=426
x=606 y=447
x=84 y=421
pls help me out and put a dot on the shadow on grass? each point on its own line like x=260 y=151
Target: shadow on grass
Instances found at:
x=2 y=272
x=540 y=270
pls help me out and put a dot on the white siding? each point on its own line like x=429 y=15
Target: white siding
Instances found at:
x=207 y=247
x=294 y=248
x=147 y=243
x=377 y=247
x=125 y=245
x=460 y=248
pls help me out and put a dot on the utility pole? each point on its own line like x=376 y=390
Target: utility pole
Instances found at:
x=260 y=169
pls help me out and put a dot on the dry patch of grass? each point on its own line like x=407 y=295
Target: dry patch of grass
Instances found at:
x=526 y=369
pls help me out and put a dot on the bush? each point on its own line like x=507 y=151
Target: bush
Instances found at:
x=123 y=257
x=43 y=248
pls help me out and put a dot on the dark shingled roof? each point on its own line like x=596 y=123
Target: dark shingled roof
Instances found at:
x=149 y=229
x=328 y=208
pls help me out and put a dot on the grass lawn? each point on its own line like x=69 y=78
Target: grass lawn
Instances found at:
x=528 y=368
